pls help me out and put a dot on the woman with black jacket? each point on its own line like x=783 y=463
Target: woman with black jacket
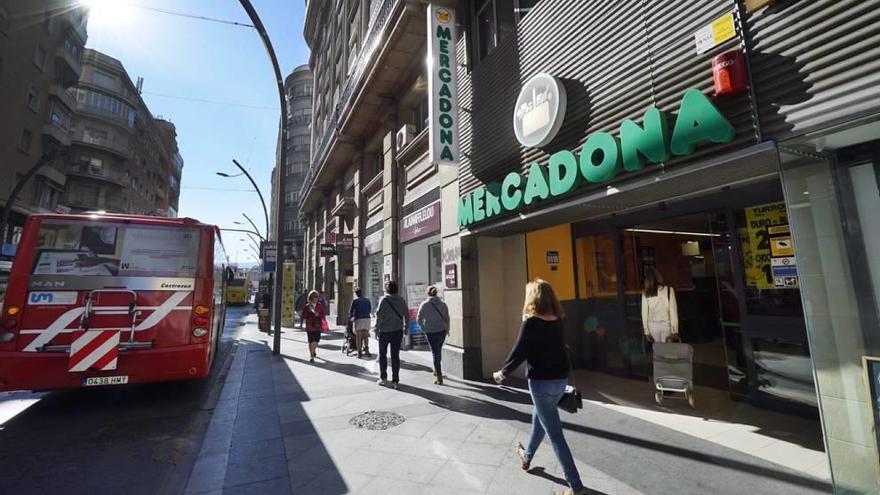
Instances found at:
x=541 y=343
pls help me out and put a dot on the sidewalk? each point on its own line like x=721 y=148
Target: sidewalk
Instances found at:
x=282 y=425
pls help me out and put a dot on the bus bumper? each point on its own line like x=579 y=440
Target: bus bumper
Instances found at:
x=48 y=370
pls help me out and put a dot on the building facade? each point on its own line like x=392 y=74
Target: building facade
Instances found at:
x=730 y=146
x=121 y=159
x=40 y=47
x=298 y=86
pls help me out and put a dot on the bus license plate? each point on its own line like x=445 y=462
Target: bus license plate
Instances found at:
x=96 y=381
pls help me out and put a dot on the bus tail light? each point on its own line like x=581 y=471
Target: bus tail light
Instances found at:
x=200 y=332
x=12 y=310
x=200 y=321
x=201 y=310
x=6 y=337
x=9 y=324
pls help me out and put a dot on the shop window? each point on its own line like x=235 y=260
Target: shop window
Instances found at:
x=33 y=99
x=24 y=141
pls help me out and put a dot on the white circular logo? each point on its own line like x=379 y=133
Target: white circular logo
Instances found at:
x=540 y=110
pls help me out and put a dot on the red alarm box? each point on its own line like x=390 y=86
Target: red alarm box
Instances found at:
x=729 y=72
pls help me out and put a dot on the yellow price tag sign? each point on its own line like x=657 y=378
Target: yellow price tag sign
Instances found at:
x=723 y=29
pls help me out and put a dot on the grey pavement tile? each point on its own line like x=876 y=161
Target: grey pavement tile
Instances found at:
x=424 y=411
x=368 y=462
x=417 y=469
x=436 y=448
x=256 y=404
x=450 y=430
x=414 y=427
x=495 y=432
x=388 y=486
x=245 y=430
x=444 y=490
x=257 y=449
x=510 y=481
x=295 y=445
x=465 y=476
x=290 y=412
x=253 y=470
x=208 y=474
x=332 y=482
x=489 y=454
x=349 y=437
x=384 y=441
x=275 y=486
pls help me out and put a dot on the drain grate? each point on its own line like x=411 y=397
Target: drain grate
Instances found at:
x=377 y=420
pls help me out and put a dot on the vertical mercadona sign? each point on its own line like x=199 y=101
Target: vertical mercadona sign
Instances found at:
x=442 y=87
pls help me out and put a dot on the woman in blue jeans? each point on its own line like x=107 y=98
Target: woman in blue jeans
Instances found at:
x=541 y=343
x=433 y=318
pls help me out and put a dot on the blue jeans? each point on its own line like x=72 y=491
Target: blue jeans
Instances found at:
x=545 y=418
x=435 y=342
x=394 y=339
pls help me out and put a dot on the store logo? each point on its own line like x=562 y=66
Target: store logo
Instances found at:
x=443 y=16
x=540 y=110
x=602 y=157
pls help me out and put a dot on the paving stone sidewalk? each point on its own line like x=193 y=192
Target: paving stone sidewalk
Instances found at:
x=282 y=425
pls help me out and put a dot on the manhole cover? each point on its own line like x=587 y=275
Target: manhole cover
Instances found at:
x=377 y=420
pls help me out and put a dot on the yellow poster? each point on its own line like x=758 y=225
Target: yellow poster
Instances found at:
x=287 y=296
x=762 y=222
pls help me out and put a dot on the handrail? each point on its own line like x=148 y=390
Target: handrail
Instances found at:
x=371 y=45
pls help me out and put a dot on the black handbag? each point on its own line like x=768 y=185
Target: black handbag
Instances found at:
x=571 y=399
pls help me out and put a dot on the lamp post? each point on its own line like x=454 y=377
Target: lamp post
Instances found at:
x=279 y=212
x=10 y=201
x=256 y=189
x=245 y=231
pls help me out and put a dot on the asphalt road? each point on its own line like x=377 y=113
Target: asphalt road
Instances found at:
x=139 y=439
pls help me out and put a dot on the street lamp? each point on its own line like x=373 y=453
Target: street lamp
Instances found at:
x=257 y=189
x=245 y=231
x=279 y=212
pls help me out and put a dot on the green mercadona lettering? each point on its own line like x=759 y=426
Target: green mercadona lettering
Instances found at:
x=602 y=157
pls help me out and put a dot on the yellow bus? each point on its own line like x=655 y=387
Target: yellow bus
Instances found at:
x=236 y=292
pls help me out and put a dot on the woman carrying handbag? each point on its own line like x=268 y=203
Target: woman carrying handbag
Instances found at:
x=541 y=343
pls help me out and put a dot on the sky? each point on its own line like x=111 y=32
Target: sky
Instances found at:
x=183 y=59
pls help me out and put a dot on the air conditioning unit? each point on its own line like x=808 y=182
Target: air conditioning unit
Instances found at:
x=405 y=135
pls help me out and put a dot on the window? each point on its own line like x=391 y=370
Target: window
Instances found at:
x=496 y=19
x=104 y=79
x=95 y=136
x=40 y=57
x=291 y=198
x=24 y=142
x=419 y=116
x=73 y=47
x=60 y=117
x=33 y=99
x=46 y=196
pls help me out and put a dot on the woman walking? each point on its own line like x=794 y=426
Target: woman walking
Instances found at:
x=390 y=328
x=541 y=344
x=313 y=316
x=433 y=317
x=659 y=308
x=359 y=313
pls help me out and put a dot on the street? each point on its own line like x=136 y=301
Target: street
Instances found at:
x=133 y=439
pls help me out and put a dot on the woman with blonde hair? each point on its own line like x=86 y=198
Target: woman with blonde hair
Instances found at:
x=541 y=343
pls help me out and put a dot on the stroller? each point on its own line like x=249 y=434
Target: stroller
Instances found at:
x=349 y=343
x=674 y=372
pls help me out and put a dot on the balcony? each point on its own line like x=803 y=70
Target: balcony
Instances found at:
x=93 y=203
x=119 y=149
x=83 y=169
x=55 y=136
x=56 y=91
x=392 y=49
x=67 y=67
x=77 y=20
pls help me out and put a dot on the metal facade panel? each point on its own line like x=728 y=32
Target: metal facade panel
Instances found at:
x=616 y=58
x=815 y=64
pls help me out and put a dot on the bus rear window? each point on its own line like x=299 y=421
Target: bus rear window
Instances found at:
x=102 y=249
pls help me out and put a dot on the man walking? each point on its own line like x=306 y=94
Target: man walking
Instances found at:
x=390 y=328
x=359 y=314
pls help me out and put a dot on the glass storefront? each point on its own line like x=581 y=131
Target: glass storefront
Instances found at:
x=834 y=200
x=730 y=261
x=422 y=268
x=371 y=279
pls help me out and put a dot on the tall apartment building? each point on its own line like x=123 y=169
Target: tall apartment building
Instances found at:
x=40 y=47
x=298 y=86
x=121 y=158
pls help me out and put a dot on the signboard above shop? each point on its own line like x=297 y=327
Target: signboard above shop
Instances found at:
x=420 y=223
x=442 y=86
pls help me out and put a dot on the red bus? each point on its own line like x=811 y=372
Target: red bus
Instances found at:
x=100 y=299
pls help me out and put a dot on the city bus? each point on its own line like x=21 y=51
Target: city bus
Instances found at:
x=237 y=291
x=99 y=299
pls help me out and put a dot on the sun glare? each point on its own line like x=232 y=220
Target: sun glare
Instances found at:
x=109 y=13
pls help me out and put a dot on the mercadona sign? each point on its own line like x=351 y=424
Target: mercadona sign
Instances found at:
x=602 y=157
